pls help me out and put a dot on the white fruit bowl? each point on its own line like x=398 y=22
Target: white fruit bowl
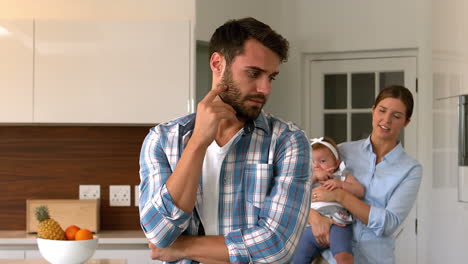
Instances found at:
x=67 y=251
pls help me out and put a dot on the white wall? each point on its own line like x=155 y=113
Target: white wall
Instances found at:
x=450 y=52
x=213 y=13
x=448 y=228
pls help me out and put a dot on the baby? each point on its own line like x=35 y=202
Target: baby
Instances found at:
x=329 y=172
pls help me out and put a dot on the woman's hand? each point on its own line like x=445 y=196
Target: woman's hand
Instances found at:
x=321 y=194
x=320 y=227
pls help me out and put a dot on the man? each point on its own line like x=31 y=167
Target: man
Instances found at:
x=229 y=183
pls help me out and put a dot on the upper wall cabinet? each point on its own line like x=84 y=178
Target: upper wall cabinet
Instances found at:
x=111 y=71
x=16 y=71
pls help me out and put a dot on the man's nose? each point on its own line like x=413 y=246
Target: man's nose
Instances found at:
x=264 y=86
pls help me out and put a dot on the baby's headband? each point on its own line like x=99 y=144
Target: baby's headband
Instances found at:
x=326 y=144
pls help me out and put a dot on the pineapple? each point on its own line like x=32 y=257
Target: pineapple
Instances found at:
x=48 y=228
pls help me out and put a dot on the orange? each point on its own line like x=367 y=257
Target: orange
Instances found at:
x=70 y=232
x=83 y=234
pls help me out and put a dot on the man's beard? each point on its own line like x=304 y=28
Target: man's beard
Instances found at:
x=232 y=96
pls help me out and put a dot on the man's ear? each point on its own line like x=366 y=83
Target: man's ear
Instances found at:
x=217 y=63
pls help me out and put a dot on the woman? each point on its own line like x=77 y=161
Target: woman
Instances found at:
x=391 y=178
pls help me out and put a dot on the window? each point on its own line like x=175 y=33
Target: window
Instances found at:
x=345 y=119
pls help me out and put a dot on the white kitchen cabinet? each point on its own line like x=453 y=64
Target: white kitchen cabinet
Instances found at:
x=16 y=71
x=111 y=71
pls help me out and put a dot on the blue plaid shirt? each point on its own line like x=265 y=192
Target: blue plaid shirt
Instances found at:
x=265 y=184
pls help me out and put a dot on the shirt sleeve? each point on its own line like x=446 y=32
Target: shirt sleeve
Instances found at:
x=283 y=214
x=161 y=220
x=384 y=221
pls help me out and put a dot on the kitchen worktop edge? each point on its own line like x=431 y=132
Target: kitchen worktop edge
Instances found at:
x=21 y=237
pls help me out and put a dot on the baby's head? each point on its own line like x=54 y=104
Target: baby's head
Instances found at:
x=325 y=153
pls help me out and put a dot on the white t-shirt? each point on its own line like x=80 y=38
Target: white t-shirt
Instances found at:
x=214 y=158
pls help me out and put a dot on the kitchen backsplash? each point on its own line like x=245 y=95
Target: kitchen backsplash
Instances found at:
x=50 y=162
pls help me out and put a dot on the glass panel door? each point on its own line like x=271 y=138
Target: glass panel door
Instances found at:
x=335 y=84
x=363 y=90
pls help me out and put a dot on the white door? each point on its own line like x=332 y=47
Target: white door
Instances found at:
x=340 y=95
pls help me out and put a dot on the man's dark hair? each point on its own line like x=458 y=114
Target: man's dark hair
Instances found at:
x=229 y=38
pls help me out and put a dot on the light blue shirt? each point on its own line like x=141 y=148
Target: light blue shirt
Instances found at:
x=391 y=189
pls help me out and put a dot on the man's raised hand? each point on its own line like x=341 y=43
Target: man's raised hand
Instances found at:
x=210 y=111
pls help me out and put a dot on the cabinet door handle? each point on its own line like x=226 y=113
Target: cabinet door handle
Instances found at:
x=461 y=131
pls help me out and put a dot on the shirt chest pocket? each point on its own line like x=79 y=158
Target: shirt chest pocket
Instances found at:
x=258 y=180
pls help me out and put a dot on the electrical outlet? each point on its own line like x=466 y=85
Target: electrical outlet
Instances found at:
x=137 y=195
x=90 y=192
x=119 y=195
